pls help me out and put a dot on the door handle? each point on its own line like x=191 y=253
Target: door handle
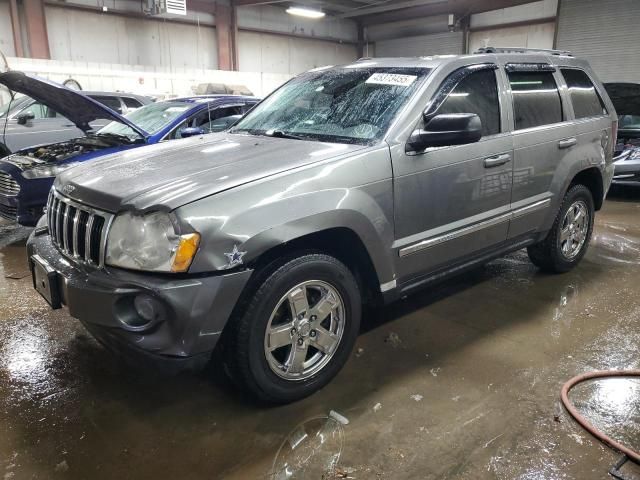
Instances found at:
x=497 y=160
x=568 y=143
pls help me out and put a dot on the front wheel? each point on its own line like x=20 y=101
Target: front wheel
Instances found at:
x=569 y=237
x=296 y=330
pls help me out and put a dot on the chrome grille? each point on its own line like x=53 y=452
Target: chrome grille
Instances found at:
x=77 y=230
x=8 y=186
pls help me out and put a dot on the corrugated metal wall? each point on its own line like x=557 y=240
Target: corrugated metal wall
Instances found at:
x=606 y=33
x=423 y=45
x=539 y=35
x=6 y=32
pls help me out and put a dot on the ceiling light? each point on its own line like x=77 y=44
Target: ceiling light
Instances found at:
x=305 y=12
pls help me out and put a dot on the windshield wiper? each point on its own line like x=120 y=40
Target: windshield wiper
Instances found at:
x=282 y=134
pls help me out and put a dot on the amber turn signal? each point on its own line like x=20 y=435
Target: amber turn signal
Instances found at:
x=185 y=252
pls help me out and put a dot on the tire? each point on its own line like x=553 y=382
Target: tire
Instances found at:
x=275 y=374
x=556 y=254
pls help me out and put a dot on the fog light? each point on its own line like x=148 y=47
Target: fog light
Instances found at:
x=146 y=307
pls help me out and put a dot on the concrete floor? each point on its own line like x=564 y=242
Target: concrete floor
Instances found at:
x=461 y=382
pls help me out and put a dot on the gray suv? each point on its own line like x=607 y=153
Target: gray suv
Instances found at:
x=347 y=185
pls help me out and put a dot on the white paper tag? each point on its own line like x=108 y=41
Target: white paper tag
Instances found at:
x=176 y=109
x=392 y=79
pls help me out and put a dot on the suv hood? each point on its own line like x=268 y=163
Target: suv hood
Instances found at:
x=625 y=97
x=72 y=104
x=171 y=174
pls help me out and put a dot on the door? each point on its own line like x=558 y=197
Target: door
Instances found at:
x=45 y=126
x=543 y=141
x=453 y=202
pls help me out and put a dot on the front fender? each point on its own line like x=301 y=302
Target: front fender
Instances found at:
x=276 y=220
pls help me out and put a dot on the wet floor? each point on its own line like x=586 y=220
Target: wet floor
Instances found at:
x=461 y=382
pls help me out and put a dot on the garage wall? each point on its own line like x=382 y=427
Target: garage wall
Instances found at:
x=528 y=36
x=6 y=32
x=421 y=45
x=606 y=33
x=259 y=52
x=76 y=35
x=145 y=80
x=531 y=25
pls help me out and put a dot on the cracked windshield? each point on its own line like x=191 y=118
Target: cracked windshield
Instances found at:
x=346 y=105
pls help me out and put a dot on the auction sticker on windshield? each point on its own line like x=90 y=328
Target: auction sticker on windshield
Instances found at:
x=392 y=79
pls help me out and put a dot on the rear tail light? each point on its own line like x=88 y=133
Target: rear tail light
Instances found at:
x=614 y=134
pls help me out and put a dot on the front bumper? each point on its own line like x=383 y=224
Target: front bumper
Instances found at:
x=25 y=207
x=193 y=309
x=627 y=171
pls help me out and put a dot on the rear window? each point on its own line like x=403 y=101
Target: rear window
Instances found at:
x=131 y=103
x=112 y=102
x=584 y=97
x=536 y=100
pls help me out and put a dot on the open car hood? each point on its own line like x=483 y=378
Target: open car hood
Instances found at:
x=72 y=104
x=625 y=97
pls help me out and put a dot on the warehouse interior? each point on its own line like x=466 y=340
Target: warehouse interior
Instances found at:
x=462 y=379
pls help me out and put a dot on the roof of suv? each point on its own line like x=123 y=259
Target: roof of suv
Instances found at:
x=555 y=57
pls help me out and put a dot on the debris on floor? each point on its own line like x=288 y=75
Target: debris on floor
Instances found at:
x=311 y=450
x=393 y=339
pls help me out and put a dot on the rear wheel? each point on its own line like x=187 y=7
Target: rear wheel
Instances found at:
x=296 y=330
x=569 y=237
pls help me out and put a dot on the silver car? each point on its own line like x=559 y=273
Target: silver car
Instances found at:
x=348 y=185
x=626 y=99
x=30 y=122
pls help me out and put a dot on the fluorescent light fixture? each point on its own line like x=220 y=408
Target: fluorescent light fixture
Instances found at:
x=305 y=12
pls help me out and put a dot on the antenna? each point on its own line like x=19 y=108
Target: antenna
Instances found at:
x=11 y=98
x=6 y=120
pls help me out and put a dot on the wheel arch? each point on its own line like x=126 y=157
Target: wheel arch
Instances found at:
x=592 y=179
x=340 y=242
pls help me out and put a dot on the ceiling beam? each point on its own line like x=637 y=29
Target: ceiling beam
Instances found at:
x=390 y=7
x=461 y=8
x=249 y=3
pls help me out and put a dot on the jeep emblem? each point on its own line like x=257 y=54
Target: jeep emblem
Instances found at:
x=68 y=189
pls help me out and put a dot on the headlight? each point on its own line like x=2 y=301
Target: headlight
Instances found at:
x=150 y=243
x=634 y=155
x=47 y=170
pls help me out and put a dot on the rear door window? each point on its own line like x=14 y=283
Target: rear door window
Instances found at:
x=584 y=97
x=536 y=100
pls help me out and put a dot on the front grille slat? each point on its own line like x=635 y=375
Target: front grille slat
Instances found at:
x=8 y=186
x=78 y=231
x=87 y=237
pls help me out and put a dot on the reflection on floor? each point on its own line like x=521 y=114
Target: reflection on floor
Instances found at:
x=458 y=382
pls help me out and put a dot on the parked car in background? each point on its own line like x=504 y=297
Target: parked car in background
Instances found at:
x=347 y=185
x=27 y=175
x=626 y=99
x=31 y=122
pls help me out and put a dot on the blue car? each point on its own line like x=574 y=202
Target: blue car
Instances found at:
x=27 y=175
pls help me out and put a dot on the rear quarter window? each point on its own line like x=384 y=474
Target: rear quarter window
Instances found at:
x=584 y=96
x=131 y=103
x=536 y=100
x=112 y=102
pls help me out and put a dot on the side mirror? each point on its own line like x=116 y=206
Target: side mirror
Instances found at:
x=447 y=129
x=191 y=132
x=23 y=118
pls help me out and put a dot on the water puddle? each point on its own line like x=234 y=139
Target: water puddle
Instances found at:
x=612 y=405
x=614 y=247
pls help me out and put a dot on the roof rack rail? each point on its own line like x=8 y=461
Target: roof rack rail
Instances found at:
x=547 y=51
